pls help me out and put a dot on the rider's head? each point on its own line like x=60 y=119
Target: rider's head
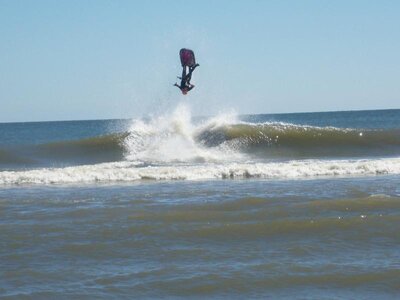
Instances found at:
x=185 y=91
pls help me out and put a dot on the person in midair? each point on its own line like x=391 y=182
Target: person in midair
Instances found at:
x=185 y=85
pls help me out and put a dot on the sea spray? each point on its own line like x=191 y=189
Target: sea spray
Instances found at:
x=172 y=138
x=176 y=146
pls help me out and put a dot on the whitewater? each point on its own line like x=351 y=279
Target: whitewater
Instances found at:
x=175 y=147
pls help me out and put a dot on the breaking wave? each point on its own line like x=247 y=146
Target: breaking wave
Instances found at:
x=130 y=171
x=173 y=146
x=175 y=138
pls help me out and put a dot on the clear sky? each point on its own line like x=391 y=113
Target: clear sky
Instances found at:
x=100 y=59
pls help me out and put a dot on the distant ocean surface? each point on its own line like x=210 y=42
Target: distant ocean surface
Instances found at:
x=303 y=206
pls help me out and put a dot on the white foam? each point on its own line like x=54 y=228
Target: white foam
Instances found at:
x=129 y=171
x=165 y=148
x=171 y=138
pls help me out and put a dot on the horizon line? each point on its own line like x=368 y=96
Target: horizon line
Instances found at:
x=246 y=114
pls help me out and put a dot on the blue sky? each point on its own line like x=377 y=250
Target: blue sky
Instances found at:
x=68 y=59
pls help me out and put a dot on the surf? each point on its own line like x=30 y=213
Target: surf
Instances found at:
x=174 y=138
x=177 y=146
x=134 y=171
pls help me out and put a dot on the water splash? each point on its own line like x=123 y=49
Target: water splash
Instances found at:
x=172 y=138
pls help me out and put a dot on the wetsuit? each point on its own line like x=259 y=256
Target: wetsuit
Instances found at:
x=185 y=79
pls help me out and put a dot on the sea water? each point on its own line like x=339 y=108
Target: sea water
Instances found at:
x=171 y=206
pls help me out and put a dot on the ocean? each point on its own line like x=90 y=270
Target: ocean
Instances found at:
x=171 y=206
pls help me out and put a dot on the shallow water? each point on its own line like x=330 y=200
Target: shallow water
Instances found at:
x=318 y=238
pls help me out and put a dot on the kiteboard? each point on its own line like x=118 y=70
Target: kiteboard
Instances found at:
x=187 y=57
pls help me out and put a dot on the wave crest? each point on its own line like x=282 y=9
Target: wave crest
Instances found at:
x=174 y=138
x=130 y=171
